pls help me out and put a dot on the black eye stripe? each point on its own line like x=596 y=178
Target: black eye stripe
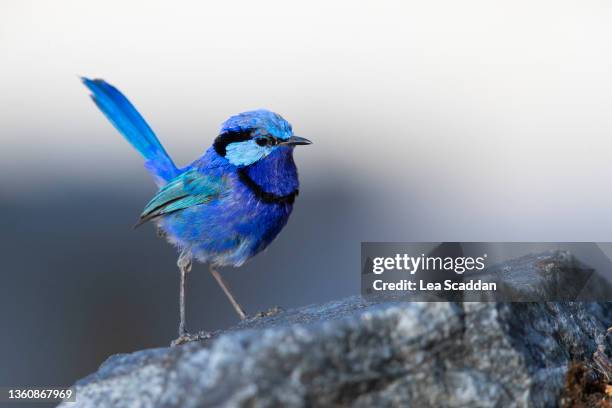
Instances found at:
x=225 y=138
x=266 y=140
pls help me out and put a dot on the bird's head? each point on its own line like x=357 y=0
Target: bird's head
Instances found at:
x=250 y=136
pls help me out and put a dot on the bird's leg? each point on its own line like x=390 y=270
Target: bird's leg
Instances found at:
x=227 y=292
x=184 y=264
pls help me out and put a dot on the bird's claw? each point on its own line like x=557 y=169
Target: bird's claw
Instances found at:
x=274 y=310
x=189 y=337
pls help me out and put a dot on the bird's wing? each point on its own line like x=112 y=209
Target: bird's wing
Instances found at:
x=186 y=190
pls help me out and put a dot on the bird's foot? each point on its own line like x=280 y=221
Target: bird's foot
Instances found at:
x=189 y=337
x=274 y=310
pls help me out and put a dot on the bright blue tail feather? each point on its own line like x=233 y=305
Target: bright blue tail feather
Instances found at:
x=126 y=119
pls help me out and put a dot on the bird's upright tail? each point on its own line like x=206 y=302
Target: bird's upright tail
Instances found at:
x=126 y=119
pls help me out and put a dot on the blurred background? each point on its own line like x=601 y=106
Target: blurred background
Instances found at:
x=432 y=121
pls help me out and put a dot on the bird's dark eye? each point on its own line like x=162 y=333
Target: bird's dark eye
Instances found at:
x=266 y=141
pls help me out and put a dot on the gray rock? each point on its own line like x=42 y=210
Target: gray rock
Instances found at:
x=364 y=352
x=548 y=276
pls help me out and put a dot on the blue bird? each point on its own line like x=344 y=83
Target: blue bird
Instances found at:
x=226 y=206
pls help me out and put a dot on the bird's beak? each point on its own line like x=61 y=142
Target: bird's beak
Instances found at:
x=296 y=140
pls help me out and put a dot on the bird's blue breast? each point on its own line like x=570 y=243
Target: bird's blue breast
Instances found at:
x=241 y=222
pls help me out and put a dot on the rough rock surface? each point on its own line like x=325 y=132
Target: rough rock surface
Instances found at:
x=364 y=352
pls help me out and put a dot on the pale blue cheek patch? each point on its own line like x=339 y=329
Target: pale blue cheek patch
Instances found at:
x=245 y=153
